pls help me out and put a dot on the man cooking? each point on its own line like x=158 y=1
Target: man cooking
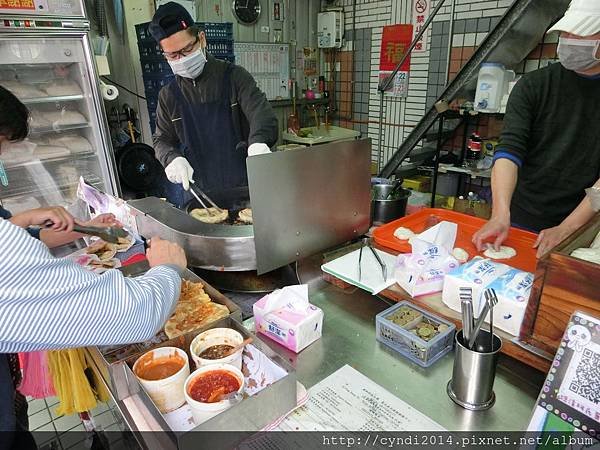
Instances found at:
x=549 y=150
x=212 y=115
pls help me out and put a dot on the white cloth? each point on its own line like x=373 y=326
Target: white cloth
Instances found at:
x=180 y=172
x=258 y=149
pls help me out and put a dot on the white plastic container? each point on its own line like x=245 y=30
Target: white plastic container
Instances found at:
x=492 y=84
x=217 y=336
x=204 y=411
x=166 y=393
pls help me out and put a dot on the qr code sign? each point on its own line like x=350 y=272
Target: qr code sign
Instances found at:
x=586 y=382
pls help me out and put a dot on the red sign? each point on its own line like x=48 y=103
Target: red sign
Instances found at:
x=17 y=4
x=394 y=44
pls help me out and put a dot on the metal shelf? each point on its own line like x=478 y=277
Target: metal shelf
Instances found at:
x=37 y=190
x=59 y=129
x=41 y=100
x=73 y=156
x=473 y=173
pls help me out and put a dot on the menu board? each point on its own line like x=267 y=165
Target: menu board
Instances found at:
x=269 y=64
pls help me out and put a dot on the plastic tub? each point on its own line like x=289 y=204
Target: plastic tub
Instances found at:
x=166 y=393
x=422 y=352
x=204 y=411
x=217 y=336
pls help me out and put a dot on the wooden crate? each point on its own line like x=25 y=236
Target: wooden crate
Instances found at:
x=562 y=285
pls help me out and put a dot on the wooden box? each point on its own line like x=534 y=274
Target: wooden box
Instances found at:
x=562 y=285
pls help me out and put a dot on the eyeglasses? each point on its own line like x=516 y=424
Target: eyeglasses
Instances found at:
x=183 y=52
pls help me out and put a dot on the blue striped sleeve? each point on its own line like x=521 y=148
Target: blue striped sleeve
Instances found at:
x=51 y=303
x=510 y=156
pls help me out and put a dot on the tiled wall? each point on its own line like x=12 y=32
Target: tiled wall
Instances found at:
x=474 y=19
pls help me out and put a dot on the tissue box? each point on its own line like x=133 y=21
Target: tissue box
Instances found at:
x=513 y=290
x=293 y=324
x=476 y=274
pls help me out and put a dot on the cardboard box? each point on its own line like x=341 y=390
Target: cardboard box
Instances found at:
x=419 y=183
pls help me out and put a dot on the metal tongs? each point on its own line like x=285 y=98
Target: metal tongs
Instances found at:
x=491 y=300
x=108 y=234
x=367 y=242
x=197 y=192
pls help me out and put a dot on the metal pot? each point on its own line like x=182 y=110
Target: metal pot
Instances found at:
x=383 y=210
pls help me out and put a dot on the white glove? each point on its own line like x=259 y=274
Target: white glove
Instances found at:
x=258 y=149
x=180 y=172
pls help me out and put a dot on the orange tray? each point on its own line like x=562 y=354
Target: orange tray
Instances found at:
x=522 y=241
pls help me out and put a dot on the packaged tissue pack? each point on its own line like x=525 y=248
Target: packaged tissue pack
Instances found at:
x=512 y=287
x=513 y=290
x=287 y=317
x=476 y=274
x=422 y=271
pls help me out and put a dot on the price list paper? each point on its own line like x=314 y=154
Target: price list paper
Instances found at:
x=349 y=401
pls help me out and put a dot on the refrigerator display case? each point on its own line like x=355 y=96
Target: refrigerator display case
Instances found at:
x=47 y=62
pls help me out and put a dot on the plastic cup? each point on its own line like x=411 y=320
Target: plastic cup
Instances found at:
x=217 y=336
x=203 y=411
x=166 y=393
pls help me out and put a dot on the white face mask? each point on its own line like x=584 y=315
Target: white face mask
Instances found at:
x=578 y=55
x=189 y=66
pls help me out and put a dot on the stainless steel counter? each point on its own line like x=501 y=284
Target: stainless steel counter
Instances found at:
x=349 y=338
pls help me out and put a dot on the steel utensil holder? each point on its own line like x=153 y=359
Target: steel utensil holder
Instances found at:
x=474 y=371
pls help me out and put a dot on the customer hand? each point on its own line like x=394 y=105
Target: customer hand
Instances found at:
x=180 y=172
x=495 y=227
x=165 y=252
x=104 y=220
x=550 y=238
x=55 y=218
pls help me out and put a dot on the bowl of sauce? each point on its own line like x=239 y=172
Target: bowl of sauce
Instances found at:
x=207 y=390
x=212 y=347
x=162 y=373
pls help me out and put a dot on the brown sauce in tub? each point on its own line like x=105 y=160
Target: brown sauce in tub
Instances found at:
x=152 y=369
x=216 y=351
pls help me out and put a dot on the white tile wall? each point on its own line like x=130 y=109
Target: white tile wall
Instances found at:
x=375 y=14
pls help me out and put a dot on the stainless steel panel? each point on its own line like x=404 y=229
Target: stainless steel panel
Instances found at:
x=208 y=246
x=308 y=199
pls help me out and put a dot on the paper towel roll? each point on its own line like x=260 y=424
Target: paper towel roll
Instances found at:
x=108 y=91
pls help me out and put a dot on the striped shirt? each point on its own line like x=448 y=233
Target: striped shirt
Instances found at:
x=52 y=303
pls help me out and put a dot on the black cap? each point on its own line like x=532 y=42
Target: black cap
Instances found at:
x=169 y=19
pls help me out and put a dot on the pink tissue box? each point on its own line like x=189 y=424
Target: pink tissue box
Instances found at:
x=293 y=328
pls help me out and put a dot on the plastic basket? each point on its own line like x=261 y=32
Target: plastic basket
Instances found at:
x=153 y=84
x=424 y=353
x=156 y=67
x=213 y=30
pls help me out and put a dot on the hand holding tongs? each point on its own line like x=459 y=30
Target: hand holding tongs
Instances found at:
x=367 y=242
x=195 y=190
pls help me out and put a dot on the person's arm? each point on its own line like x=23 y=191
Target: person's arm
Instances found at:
x=264 y=127
x=54 y=239
x=165 y=139
x=56 y=218
x=50 y=303
x=504 y=180
x=508 y=159
x=551 y=237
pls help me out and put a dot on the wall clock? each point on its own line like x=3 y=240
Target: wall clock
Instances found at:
x=246 y=12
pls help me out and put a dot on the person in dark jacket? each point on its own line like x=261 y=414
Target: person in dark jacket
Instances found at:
x=549 y=149
x=212 y=115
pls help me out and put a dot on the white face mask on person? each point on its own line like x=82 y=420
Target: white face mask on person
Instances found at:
x=578 y=55
x=190 y=66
